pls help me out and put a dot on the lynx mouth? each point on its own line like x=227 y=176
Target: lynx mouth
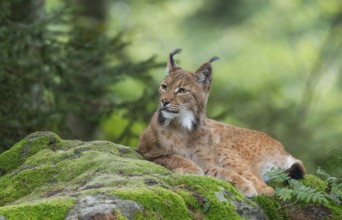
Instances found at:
x=169 y=110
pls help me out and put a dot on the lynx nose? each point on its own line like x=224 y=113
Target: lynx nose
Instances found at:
x=165 y=102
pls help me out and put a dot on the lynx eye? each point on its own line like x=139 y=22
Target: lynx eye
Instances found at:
x=183 y=91
x=163 y=87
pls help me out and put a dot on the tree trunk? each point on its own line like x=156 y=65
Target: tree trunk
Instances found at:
x=88 y=27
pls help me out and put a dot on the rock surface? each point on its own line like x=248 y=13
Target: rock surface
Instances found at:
x=44 y=177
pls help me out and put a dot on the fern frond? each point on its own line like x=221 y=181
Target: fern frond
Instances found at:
x=277 y=175
x=310 y=195
x=322 y=173
x=284 y=194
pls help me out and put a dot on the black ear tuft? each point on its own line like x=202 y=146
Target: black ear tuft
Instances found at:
x=178 y=50
x=205 y=71
x=171 y=64
x=213 y=59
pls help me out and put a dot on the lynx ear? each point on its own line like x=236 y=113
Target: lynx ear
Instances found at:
x=171 y=64
x=205 y=72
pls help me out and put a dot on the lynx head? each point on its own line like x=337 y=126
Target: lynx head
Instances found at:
x=184 y=94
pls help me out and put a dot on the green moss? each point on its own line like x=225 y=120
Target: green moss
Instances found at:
x=25 y=181
x=143 y=215
x=119 y=215
x=48 y=169
x=160 y=201
x=191 y=200
x=39 y=173
x=194 y=203
x=270 y=207
x=27 y=147
x=49 y=209
x=204 y=188
x=42 y=165
x=68 y=144
x=202 y=184
x=336 y=210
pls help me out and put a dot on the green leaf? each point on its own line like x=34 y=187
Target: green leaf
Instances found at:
x=206 y=205
x=284 y=194
x=277 y=175
x=322 y=173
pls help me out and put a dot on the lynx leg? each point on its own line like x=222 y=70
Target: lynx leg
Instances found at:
x=260 y=186
x=265 y=190
x=178 y=164
x=244 y=185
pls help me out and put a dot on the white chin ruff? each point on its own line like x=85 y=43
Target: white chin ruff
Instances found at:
x=185 y=118
x=169 y=116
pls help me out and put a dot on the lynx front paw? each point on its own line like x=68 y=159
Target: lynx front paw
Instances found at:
x=247 y=189
x=192 y=170
x=267 y=190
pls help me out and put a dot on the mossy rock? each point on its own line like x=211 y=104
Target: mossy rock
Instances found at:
x=45 y=177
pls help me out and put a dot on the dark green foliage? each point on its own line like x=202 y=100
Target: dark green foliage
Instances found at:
x=225 y=13
x=295 y=190
x=336 y=159
x=309 y=198
x=334 y=188
x=54 y=77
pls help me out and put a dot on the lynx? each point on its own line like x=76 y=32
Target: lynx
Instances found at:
x=182 y=138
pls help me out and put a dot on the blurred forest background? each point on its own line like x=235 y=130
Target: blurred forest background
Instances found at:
x=91 y=69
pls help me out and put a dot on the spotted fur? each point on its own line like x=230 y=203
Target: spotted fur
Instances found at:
x=182 y=138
